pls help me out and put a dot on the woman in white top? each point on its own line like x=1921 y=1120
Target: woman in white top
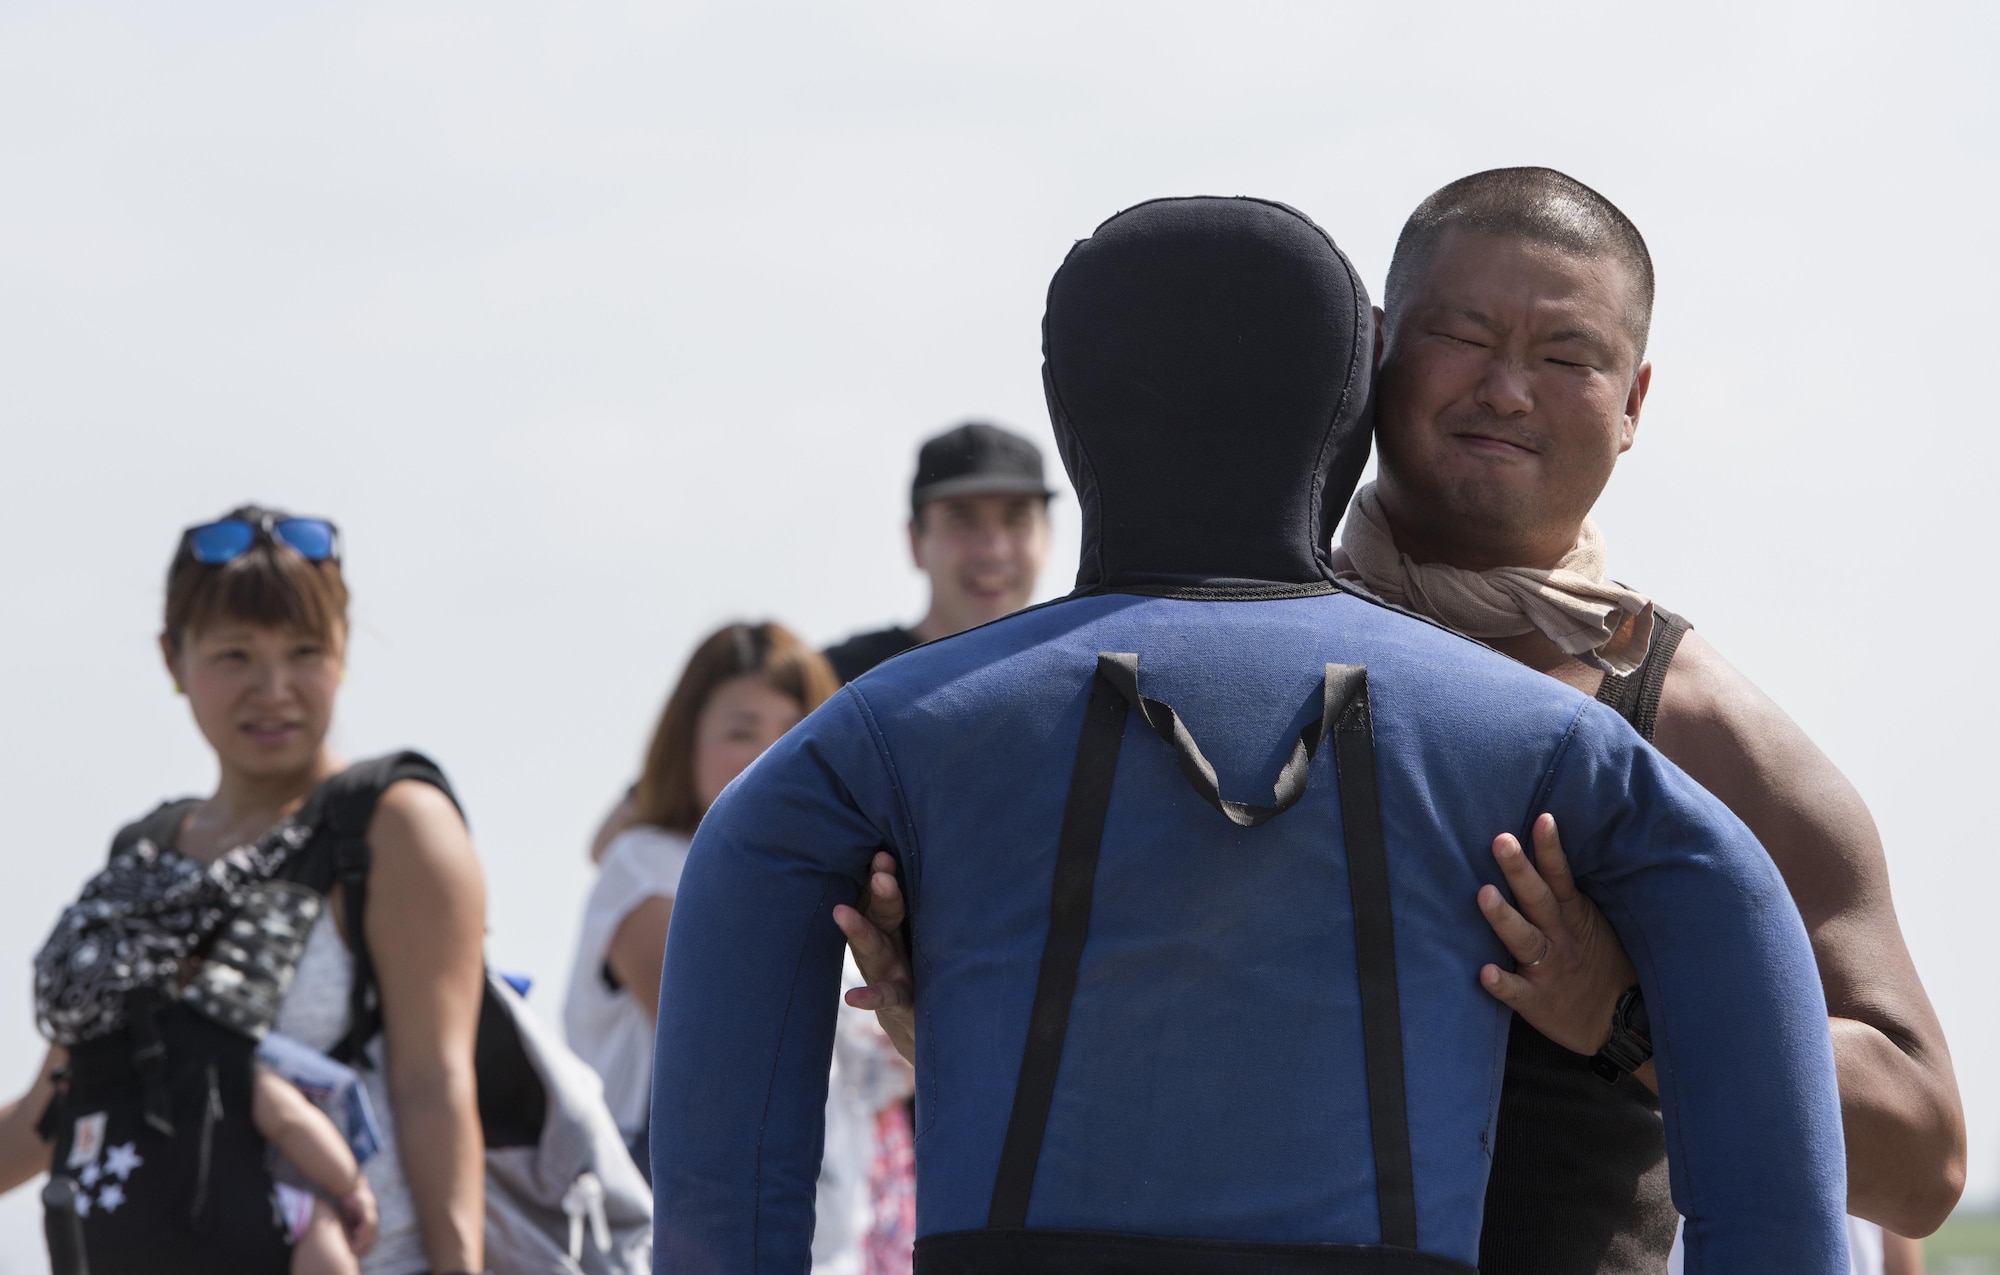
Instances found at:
x=745 y=685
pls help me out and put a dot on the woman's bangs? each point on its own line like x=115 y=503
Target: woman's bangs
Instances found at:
x=270 y=589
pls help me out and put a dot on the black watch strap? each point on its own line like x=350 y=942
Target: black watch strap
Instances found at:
x=1631 y=1043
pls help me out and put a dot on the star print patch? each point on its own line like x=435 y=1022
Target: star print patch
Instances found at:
x=122 y=1159
x=111 y=1197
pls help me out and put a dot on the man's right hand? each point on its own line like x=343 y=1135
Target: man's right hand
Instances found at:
x=876 y=939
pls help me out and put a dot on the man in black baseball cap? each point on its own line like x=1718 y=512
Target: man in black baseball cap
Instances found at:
x=979 y=528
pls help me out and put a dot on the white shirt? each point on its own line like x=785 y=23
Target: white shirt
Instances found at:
x=315 y=1014
x=609 y=1030
x=868 y=1075
x=605 y=1025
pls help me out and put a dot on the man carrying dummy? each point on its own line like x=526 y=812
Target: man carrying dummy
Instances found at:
x=1186 y=856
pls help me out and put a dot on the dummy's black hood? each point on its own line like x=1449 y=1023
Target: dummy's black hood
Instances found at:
x=1208 y=364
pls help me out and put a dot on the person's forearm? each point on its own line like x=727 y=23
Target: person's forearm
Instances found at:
x=290 y=1122
x=325 y=1162
x=444 y=1158
x=23 y=1153
x=1905 y=1133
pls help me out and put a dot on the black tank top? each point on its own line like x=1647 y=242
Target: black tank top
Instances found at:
x=1579 y=1182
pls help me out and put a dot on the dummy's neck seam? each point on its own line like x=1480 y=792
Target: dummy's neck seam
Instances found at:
x=1216 y=593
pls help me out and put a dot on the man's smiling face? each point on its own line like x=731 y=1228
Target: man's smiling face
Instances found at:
x=1510 y=385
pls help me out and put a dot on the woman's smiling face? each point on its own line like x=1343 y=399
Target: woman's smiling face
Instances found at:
x=262 y=695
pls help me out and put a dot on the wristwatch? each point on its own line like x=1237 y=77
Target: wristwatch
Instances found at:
x=1631 y=1043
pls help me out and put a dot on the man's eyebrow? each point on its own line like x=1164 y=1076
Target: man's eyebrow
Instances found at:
x=1583 y=336
x=1471 y=315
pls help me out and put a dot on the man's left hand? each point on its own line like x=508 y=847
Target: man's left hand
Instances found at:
x=876 y=939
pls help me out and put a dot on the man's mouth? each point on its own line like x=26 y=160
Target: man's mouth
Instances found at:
x=270 y=732
x=1494 y=444
x=989 y=586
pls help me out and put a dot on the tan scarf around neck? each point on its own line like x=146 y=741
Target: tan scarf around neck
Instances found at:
x=1600 y=622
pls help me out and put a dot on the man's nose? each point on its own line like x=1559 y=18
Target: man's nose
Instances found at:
x=991 y=540
x=1505 y=391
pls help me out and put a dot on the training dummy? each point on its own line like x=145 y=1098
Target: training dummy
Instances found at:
x=1166 y=1028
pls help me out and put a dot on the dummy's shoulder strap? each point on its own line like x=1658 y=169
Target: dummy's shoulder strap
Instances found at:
x=1375 y=956
x=1344 y=713
x=1636 y=695
x=1062 y=952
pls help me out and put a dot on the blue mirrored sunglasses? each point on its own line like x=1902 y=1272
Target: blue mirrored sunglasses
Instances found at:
x=215 y=543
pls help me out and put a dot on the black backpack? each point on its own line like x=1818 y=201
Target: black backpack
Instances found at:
x=156 y=1164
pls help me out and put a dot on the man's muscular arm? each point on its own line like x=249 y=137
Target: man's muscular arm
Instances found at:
x=1899 y=1100
x=1905 y=1130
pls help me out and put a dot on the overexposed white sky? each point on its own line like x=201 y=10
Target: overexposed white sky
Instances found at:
x=595 y=325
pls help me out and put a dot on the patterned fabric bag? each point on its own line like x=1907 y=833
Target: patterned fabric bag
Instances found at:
x=151 y=916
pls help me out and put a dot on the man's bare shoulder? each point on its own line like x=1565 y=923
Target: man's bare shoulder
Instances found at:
x=1736 y=741
x=1707 y=705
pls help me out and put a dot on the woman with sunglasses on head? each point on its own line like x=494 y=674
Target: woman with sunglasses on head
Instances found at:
x=202 y=933
x=743 y=688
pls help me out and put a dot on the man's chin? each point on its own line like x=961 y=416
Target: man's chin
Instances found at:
x=1489 y=499
x=1473 y=521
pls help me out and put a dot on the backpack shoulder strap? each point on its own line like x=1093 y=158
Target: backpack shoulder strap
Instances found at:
x=339 y=812
x=160 y=827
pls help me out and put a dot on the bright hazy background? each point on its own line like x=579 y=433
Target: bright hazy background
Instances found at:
x=597 y=324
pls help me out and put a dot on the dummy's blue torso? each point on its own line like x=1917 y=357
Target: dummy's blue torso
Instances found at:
x=1212 y=1082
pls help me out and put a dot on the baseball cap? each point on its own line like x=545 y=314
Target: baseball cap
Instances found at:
x=977 y=459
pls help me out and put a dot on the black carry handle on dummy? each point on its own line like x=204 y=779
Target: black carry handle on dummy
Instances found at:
x=1344 y=713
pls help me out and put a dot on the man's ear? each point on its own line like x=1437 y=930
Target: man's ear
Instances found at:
x=1635 y=399
x=916 y=554
x=1381 y=336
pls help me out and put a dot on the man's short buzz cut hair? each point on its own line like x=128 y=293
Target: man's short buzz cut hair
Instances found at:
x=1537 y=204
